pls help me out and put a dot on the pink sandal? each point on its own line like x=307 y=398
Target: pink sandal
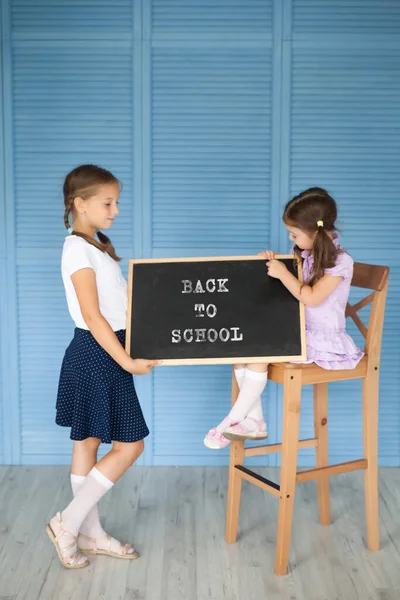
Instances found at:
x=125 y=547
x=73 y=560
x=215 y=440
x=240 y=432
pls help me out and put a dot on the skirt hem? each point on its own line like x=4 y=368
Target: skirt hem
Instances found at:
x=104 y=440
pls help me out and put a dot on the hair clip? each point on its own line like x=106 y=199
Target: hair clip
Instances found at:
x=320 y=223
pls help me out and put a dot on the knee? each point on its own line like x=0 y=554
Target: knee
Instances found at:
x=90 y=444
x=258 y=368
x=139 y=448
x=129 y=452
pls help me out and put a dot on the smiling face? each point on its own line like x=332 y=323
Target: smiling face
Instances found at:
x=300 y=238
x=99 y=207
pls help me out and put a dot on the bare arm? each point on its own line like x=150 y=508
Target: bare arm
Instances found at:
x=84 y=282
x=310 y=295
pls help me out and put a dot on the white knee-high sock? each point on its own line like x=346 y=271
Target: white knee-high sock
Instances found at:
x=252 y=387
x=240 y=374
x=256 y=412
x=91 y=526
x=95 y=486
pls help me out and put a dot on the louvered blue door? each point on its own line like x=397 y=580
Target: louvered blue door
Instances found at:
x=3 y=261
x=344 y=91
x=212 y=115
x=72 y=99
x=211 y=157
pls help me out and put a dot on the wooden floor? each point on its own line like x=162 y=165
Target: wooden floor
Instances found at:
x=176 y=517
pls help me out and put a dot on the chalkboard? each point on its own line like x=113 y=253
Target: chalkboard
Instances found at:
x=212 y=310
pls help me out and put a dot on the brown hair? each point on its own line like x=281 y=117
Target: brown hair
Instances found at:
x=304 y=211
x=84 y=181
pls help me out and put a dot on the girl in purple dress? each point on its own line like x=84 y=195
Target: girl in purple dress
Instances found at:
x=327 y=273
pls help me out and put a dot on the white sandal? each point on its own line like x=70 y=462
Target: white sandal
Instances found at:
x=73 y=560
x=107 y=551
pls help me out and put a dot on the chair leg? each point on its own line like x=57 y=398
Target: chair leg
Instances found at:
x=234 y=491
x=234 y=482
x=321 y=451
x=370 y=397
x=290 y=437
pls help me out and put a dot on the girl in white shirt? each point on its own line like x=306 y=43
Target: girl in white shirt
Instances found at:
x=96 y=395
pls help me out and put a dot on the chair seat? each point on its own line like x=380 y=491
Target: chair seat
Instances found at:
x=311 y=373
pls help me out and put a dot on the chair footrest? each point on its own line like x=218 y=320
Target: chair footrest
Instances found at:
x=262 y=482
x=346 y=467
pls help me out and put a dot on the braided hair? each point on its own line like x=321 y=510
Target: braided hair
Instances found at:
x=83 y=182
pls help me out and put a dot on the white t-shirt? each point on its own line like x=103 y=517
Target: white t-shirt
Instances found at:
x=111 y=285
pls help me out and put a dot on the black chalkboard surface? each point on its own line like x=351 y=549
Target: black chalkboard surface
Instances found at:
x=212 y=310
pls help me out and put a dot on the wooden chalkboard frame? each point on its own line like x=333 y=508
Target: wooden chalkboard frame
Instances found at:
x=221 y=361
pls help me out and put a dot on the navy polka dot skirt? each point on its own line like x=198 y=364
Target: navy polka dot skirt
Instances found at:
x=97 y=397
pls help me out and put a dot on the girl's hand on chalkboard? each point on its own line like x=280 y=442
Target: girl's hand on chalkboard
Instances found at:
x=268 y=254
x=141 y=366
x=276 y=268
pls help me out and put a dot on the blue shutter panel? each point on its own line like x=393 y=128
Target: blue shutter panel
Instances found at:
x=3 y=260
x=73 y=104
x=211 y=179
x=345 y=136
x=355 y=17
x=211 y=150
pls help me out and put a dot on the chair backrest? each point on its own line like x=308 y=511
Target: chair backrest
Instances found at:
x=370 y=277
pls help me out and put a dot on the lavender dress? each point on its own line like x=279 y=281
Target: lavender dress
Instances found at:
x=328 y=344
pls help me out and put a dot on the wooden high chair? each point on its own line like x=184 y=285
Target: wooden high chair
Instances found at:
x=293 y=377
